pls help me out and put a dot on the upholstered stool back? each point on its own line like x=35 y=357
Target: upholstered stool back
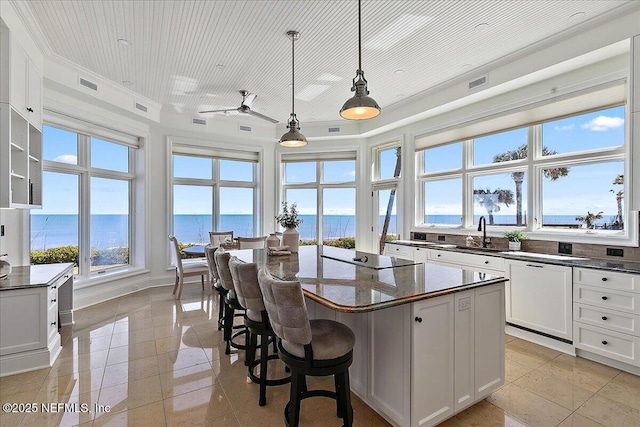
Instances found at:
x=222 y=264
x=245 y=283
x=209 y=252
x=287 y=311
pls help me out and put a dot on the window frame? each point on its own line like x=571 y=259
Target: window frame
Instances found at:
x=84 y=173
x=319 y=185
x=534 y=164
x=204 y=149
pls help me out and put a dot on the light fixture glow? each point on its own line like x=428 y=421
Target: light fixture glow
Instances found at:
x=361 y=106
x=293 y=138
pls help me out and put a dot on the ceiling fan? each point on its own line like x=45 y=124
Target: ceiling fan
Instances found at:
x=245 y=107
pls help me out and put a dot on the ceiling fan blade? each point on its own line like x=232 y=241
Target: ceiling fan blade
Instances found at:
x=248 y=101
x=218 y=111
x=262 y=116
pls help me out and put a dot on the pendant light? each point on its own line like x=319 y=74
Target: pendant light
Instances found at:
x=361 y=106
x=293 y=138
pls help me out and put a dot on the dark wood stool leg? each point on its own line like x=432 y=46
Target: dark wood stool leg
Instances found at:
x=228 y=327
x=294 y=398
x=337 y=380
x=220 y=310
x=346 y=395
x=264 y=358
x=250 y=352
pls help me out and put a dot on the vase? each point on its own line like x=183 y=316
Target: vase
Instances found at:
x=273 y=241
x=291 y=238
x=514 y=246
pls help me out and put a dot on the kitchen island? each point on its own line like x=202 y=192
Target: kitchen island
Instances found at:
x=34 y=302
x=429 y=338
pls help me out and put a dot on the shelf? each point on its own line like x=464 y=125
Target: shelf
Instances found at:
x=16 y=147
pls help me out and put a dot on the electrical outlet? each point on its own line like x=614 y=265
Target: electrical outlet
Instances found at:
x=565 y=248
x=464 y=304
x=441 y=238
x=615 y=252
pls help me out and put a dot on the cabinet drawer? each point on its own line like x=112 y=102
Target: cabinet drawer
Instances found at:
x=398 y=251
x=606 y=298
x=610 y=280
x=613 y=345
x=468 y=260
x=608 y=319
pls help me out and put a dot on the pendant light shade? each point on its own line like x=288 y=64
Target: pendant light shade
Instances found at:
x=361 y=106
x=293 y=138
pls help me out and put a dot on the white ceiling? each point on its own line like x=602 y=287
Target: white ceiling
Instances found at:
x=195 y=55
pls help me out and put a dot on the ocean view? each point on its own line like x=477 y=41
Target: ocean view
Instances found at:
x=108 y=231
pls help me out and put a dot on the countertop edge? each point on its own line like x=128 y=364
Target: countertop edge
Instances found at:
x=591 y=263
x=399 y=301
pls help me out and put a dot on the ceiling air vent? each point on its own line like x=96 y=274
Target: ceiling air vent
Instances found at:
x=334 y=130
x=245 y=128
x=141 y=107
x=87 y=83
x=478 y=82
x=197 y=121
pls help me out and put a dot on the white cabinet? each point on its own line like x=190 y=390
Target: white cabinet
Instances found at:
x=20 y=126
x=606 y=309
x=539 y=297
x=29 y=322
x=458 y=352
x=460 y=259
x=433 y=361
x=398 y=251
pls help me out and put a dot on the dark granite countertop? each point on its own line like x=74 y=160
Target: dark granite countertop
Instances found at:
x=35 y=276
x=621 y=266
x=354 y=287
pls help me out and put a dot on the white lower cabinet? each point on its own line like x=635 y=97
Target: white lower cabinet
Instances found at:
x=398 y=251
x=539 y=297
x=606 y=307
x=432 y=381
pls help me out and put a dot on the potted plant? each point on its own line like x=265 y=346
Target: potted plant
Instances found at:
x=515 y=238
x=289 y=220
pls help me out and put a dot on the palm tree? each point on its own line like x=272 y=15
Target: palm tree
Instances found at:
x=491 y=200
x=589 y=218
x=518 y=177
x=619 y=196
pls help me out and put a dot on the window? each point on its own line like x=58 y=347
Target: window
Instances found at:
x=91 y=228
x=325 y=194
x=561 y=176
x=212 y=191
x=387 y=170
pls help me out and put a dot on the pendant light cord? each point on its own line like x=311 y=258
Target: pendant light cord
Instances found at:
x=359 y=35
x=293 y=80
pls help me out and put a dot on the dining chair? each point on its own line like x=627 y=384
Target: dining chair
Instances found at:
x=185 y=269
x=232 y=307
x=252 y=242
x=218 y=237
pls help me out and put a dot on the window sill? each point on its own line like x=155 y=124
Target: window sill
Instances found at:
x=84 y=282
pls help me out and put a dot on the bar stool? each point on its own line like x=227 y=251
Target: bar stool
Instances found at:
x=209 y=252
x=256 y=319
x=231 y=303
x=317 y=347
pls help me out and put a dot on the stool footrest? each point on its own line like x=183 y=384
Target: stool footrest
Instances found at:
x=256 y=379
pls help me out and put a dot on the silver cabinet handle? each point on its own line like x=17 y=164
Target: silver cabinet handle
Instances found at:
x=535 y=265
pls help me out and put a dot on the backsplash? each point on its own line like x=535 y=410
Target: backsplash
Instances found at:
x=577 y=249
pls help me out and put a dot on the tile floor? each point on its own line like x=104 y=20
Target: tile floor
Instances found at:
x=156 y=362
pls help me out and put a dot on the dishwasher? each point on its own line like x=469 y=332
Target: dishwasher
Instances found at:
x=539 y=298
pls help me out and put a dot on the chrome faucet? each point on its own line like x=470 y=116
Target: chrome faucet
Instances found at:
x=485 y=240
